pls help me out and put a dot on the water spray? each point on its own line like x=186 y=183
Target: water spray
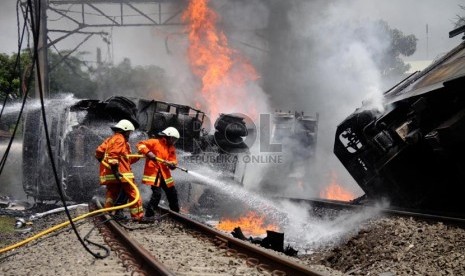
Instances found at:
x=246 y=197
x=61 y=225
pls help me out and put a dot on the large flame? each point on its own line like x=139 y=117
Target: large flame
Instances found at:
x=250 y=224
x=223 y=73
x=335 y=191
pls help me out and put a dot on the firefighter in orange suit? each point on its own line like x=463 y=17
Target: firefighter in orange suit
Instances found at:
x=158 y=174
x=114 y=151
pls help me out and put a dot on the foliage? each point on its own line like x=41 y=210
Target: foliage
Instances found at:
x=69 y=73
x=65 y=75
x=389 y=60
x=123 y=79
x=460 y=19
x=298 y=55
x=10 y=75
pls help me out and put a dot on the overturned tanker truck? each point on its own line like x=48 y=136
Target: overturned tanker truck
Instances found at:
x=413 y=153
x=77 y=128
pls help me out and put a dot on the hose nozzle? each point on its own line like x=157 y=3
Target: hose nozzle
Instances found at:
x=159 y=160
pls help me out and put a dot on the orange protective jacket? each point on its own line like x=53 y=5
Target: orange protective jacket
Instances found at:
x=162 y=150
x=114 y=151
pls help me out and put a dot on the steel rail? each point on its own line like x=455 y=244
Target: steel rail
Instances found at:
x=146 y=261
x=275 y=263
x=402 y=212
x=427 y=217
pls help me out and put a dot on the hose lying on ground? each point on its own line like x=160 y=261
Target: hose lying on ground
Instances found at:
x=61 y=225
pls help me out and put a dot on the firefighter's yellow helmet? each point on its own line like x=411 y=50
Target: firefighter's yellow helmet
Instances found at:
x=124 y=125
x=170 y=132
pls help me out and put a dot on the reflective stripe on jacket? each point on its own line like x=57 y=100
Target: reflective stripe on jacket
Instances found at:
x=114 y=151
x=162 y=150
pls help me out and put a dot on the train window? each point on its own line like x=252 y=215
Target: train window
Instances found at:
x=384 y=140
x=162 y=107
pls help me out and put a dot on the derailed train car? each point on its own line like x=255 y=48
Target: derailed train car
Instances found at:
x=297 y=129
x=413 y=153
x=77 y=128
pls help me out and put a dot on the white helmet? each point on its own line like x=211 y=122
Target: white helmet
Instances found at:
x=124 y=125
x=170 y=132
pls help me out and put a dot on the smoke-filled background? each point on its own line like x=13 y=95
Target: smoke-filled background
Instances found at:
x=321 y=57
x=307 y=56
x=317 y=57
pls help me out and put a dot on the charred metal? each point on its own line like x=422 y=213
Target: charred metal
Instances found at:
x=411 y=153
x=77 y=129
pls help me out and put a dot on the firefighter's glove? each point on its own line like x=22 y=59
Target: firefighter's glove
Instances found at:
x=171 y=165
x=151 y=156
x=115 y=171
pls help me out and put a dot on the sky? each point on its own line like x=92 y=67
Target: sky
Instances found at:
x=412 y=16
x=409 y=16
x=295 y=79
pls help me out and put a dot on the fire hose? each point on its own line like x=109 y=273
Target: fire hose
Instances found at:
x=109 y=209
x=159 y=160
x=61 y=225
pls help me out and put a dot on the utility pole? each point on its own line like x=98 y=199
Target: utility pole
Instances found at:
x=79 y=15
x=42 y=52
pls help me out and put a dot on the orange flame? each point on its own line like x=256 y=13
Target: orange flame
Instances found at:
x=222 y=71
x=251 y=224
x=335 y=191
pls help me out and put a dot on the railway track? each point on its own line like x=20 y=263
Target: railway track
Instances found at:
x=178 y=245
x=172 y=247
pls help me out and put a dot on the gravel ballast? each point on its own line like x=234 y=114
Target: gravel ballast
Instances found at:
x=382 y=246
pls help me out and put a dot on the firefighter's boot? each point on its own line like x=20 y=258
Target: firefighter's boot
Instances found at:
x=149 y=211
x=120 y=216
x=153 y=203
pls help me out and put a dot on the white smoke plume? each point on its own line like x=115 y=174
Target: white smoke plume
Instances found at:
x=11 y=177
x=338 y=73
x=314 y=60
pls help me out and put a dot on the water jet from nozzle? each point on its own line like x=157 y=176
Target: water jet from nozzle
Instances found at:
x=258 y=202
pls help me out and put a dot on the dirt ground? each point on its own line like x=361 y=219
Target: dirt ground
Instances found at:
x=382 y=246
x=398 y=246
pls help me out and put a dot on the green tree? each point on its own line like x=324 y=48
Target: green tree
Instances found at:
x=296 y=58
x=10 y=75
x=123 y=79
x=389 y=60
x=68 y=73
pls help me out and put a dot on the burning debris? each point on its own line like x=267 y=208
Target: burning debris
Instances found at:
x=273 y=240
x=251 y=223
x=77 y=128
x=255 y=225
x=335 y=191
